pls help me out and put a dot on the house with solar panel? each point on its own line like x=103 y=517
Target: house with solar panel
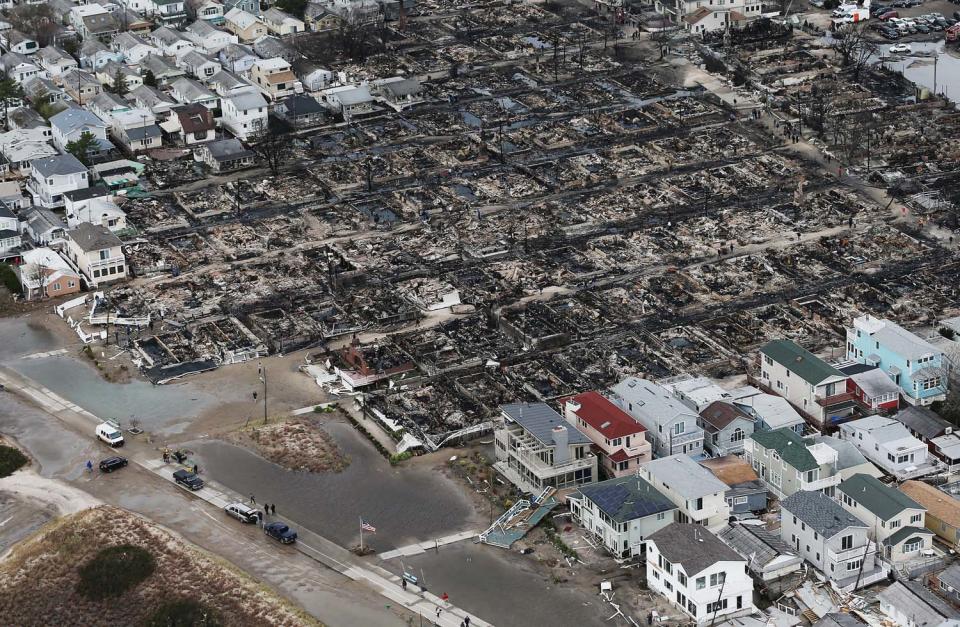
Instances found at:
x=621 y=513
x=537 y=449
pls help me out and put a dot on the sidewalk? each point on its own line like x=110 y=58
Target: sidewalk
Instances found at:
x=310 y=544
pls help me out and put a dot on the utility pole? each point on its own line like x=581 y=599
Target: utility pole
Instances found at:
x=936 y=59
x=262 y=371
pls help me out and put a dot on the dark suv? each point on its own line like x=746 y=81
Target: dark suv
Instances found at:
x=112 y=463
x=281 y=532
x=188 y=479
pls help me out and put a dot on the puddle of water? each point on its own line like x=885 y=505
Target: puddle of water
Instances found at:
x=20 y=337
x=918 y=67
x=157 y=407
x=405 y=505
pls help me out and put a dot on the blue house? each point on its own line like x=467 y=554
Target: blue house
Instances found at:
x=914 y=364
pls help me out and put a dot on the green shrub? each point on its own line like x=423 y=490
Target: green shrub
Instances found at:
x=947 y=332
x=9 y=278
x=400 y=457
x=114 y=570
x=11 y=460
x=183 y=613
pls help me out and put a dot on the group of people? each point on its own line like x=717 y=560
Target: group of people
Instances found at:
x=267 y=507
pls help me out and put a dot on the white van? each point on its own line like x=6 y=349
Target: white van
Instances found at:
x=109 y=432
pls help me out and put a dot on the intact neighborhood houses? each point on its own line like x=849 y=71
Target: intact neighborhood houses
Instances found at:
x=128 y=81
x=716 y=487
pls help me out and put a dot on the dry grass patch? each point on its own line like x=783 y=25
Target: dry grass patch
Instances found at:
x=39 y=581
x=299 y=443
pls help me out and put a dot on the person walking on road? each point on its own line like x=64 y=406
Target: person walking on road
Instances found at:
x=439 y=609
x=253 y=501
x=89 y=466
x=273 y=509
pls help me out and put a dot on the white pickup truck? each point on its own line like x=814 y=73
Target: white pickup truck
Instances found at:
x=109 y=432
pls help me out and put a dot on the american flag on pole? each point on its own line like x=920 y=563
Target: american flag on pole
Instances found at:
x=367 y=526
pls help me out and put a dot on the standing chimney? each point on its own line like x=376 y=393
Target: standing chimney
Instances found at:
x=561 y=440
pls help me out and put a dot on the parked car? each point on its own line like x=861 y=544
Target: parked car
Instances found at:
x=889 y=15
x=281 y=532
x=188 y=479
x=112 y=463
x=890 y=34
x=900 y=48
x=922 y=29
x=242 y=513
x=109 y=432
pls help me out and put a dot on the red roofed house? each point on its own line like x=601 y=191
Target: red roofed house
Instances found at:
x=620 y=440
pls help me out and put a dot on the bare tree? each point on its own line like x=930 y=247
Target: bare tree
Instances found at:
x=854 y=48
x=273 y=148
x=38 y=276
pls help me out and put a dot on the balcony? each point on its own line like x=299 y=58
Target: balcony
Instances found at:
x=820 y=484
x=858 y=552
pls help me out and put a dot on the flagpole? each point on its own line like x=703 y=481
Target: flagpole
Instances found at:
x=361 y=535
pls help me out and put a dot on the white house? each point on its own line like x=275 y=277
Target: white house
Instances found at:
x=97 y=253
x=171 y=43
x=280 y=23
x=68 y=125
x=700 y=16
x=836 y=542
x=811 y=385
x=349 y=100
x=699 y=574
x=209 y=38
x=699 y=496
x=889 y=445
x=621 y=513
x=19 y=68
x=672 y=427
x=9 y=230
x=44 y=273
x=189 y=91
x=199 y=65
x=244 y=114
x=537 y=449
x=55 y=61
x=246 y=26
x=50 y=178
x=133 y=47
x=21 y=146
x=895 y=520
x=94 y=205
x=15 y=41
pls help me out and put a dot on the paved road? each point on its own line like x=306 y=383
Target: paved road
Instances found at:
x=312 y=546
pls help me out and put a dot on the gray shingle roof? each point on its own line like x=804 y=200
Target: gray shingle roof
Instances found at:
x=539 y=419
x=881 y=500
x=839 y=619
x=225 y=149
x=91 y=237
x=907 y=533
x=924 y=421
x=753 y=542
x=627 y=498
x=912 y=599
x=820 y=512
x=72 y=119
x=692 y=547
x=951 y=576
x=61 y=165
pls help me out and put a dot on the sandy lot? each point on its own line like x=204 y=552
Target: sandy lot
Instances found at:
x=298 y=443
x=38 y=580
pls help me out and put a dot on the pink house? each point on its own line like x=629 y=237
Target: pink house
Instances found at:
x=619 y=440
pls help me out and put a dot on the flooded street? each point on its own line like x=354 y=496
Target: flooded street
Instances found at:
x=405 y=505
x=497 y=584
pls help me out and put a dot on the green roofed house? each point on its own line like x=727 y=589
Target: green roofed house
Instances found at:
x=788 y=463
x=811 y=385
x=896 y=520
